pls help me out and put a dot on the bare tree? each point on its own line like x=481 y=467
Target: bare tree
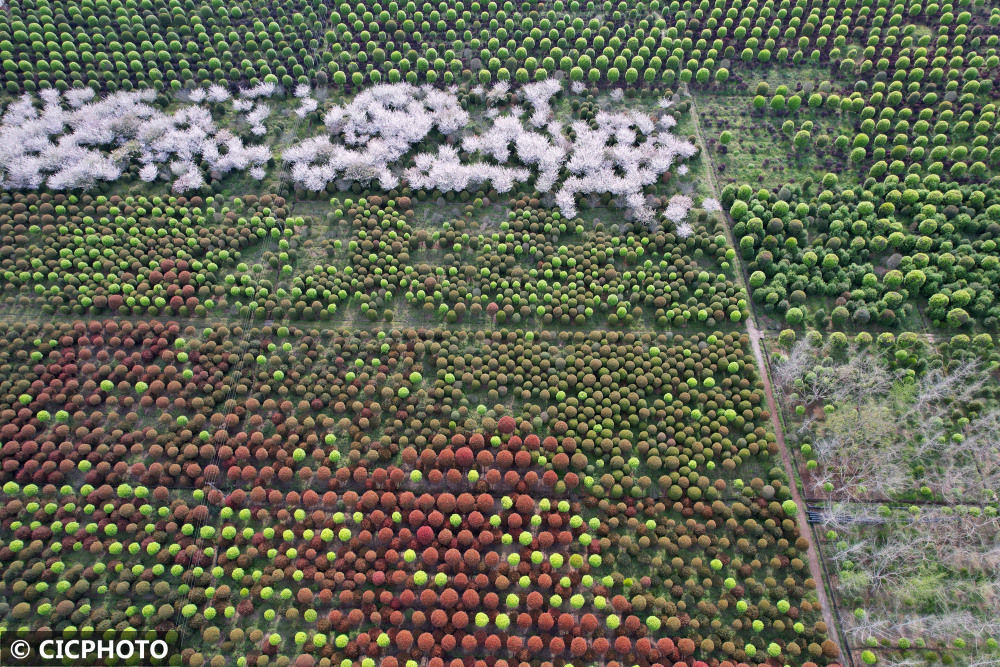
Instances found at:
x=855 y=448
x=956 y=386
x=912 y=571
x=795 y=374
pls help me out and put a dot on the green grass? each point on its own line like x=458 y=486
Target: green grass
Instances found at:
x=760 y=153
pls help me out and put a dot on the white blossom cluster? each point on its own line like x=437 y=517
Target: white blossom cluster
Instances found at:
x=387 y=133
x=538 y=95
x=444 y=171
x=91 y=141
x=77 y=97
x=216 y=93
x=676 y=212
x=264 y=89
x=317 y=161
x=307 y=104
x=677 y=208
x=498 y=91
x=377 y=128
x=256 y=116
x=711 y=204
x=684 y=230
x=626 y=153
x=371 y=139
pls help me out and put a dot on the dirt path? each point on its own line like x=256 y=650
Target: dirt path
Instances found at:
x=713 y=183
x=703 y=149
x=815 y=568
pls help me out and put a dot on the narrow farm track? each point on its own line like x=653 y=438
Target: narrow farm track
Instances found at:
x=713 y=183
x=705 y=155
x=346 y=323
x=755 y=335
x=815 y=567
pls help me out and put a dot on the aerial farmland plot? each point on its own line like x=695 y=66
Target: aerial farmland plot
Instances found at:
x=496 y=334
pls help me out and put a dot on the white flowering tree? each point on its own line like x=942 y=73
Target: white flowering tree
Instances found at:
x=386 y=133
x=75 y=141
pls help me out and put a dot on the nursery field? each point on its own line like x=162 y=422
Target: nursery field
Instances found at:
x=398 y=333
x=402 y=493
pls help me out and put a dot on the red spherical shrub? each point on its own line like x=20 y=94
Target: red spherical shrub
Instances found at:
x=485 y=502
x=686 y=646
x=504 y=459
x=446 y=502
x=425 y=642
x=632 y=624
x=466 y=502
x=464 y=457
x=524 y=504
x=387 y=500
x=449 y=598
x=453 y=557
x=445 y=459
